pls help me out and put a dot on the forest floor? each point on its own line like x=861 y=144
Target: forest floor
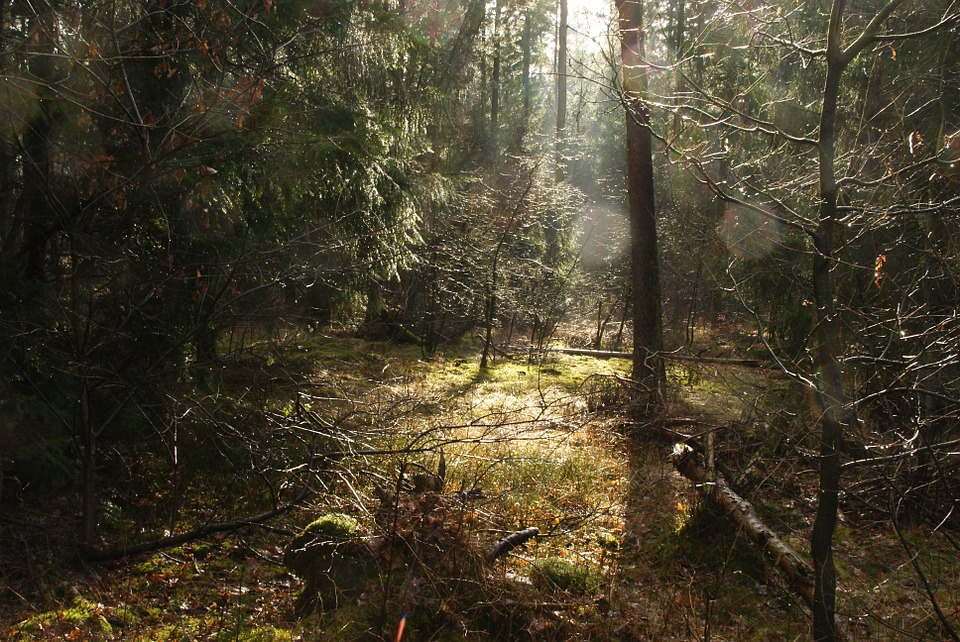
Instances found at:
x=625 y=551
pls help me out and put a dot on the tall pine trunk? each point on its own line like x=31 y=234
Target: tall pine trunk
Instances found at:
x=648 y=368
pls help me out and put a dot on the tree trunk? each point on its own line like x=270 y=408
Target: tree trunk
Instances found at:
x=693 y=310
x=627 y=299
x=34 y=214
x=648 y=367
x=7 y=180
x=555 y=222
x=828 y=348
x=80 y=312
x=89 y=492
x=527 y=64
x=489 y=312
x=836 y=412
x=561 y=92
x=495 y=79
x=490 y=297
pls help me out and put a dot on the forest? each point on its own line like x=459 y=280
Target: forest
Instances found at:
x=479 y=320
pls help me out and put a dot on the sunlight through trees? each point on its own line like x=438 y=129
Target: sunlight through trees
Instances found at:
x=264 y=259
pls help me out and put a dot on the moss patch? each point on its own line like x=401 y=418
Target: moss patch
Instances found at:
x=333 y=527
x=555 y=573
x=260 y=634
x=81 y=615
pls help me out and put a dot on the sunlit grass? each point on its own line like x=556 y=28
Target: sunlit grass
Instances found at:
x=525 y=432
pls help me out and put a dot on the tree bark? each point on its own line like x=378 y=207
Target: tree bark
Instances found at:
x=510 y=542
x=555 y=222
x=490 y=296
x=648 y=366
x=35 y=219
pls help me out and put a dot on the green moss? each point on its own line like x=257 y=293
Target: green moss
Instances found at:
x=319 y=538
x=156 y=564
x=81 y=612
x=125 y=617
x=559 y=574
x=608 y=541
x=130 y=616
x=332 y=527
x=566 y=373
x=184 y=629
x=708 y=541
x=780 y=518
x=335 y=350
x=261 y=634
x=331 y=559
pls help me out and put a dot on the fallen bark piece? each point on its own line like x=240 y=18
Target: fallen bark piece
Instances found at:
x=791 y=566
x=510 y=542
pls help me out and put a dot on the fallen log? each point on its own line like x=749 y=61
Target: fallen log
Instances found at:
x=792 y=567
x=598 y=354
x=616 y=354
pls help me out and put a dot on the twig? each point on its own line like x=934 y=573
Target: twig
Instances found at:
x=103 y=554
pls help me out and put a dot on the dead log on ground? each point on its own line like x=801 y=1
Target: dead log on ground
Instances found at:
x=616 y=354
x=796 y=572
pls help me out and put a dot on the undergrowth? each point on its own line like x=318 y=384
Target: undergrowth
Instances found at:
x=625 y=550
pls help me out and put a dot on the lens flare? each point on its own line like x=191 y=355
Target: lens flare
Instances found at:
x=750 y=232
x=437 y=21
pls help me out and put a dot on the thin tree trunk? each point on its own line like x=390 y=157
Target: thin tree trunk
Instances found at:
x=88 y=433
x=601 y=324
x=836 y=412
x=490 y=300
x=828 y=349
x=527 y=64
x=561 y=92
x=489 y=311
x=89 y=490
x=34 y=221
x=627 y=298
x=693 y=310
x=556 y=217
x=495 y=78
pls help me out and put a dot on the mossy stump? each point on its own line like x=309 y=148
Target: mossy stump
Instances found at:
x=333 y=560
